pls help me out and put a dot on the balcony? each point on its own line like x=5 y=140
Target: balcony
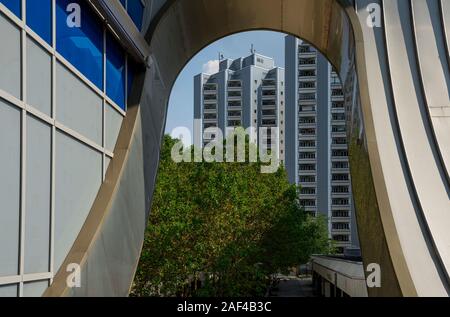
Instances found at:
x=210 y=125
x=306 y=51
x=269 y=84
x=210 y=117
x=307 y=99
x=307 y=161
x=235 y=115
x=237 y=94
x=337 y=94
x=307 y=85
x=210 y=107
x=209 y=89
x=307 y=145
x=234 y=97
x=209 y=111
x=209 y=92
x=208 y=99
x=306 y=113
x=307 y=124
x=337 y=98
x=269 y=93
x=234 y=84
x=234 y=123
x=339 y=230
x=341 y=169
x=309 y=180
x=269 y=104
x=308 y=203
x=307 y=66
x=269 y=122
x=307 y=74
x=269 y=114
x=339 y=206
x=211 y=121
x=336 y=84
x=340 y=181
x=339 y=117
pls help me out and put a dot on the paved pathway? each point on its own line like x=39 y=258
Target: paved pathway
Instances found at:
x=294 y=287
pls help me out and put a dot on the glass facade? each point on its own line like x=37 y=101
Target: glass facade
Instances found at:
x=62 y=101
x=39 y=18
x=135 y=9
x=83 y=41
x=15 y=6
x=79 y=38
x=115 y=71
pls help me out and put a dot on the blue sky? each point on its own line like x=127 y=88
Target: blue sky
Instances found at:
x=181 y=108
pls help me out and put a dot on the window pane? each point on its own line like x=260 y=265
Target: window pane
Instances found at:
x=10 y=61
x=38 y=197
x=78 y=173
x=8 y=290
x=14 y=5
x=79 y=107
x=115 y=71
x=39 y=77
x=10 y=118
x=35 y=289
x=135 y=10
x=79 y=38
x=39 y=18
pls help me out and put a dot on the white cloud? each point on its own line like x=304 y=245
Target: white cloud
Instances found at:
x=211 y=67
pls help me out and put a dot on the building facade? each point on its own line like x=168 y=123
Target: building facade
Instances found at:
x=246 y=92
x=316 y=140
x=64 y=85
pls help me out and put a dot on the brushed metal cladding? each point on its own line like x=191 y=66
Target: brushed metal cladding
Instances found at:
x=435 y=75
x=377 y=215
x=399 y=132
x=408 y=102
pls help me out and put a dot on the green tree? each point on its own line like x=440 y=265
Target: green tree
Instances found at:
x=225 y=224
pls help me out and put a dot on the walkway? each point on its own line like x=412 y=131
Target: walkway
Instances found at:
x=294 y=287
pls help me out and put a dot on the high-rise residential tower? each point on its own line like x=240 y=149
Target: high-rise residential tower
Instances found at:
x=316 y=143
x=245 y=92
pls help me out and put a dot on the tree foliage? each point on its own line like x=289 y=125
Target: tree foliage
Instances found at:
x=226 y=224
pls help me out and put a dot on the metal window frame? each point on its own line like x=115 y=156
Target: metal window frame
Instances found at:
x=27 y=109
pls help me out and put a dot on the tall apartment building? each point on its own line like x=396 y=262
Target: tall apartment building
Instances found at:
x=316 y=140
x=245 y=92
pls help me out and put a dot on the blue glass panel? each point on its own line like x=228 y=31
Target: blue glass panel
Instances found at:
x=15 y=6
x=79 y=38
x=115 y=71
x=39 y=18
x=124 y=3
x=135 y=10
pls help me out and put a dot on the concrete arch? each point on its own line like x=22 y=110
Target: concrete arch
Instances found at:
x=399 y=126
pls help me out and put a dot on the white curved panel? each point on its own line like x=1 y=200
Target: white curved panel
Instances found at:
x=431 y=51
x=406 y=92
x=397 y=189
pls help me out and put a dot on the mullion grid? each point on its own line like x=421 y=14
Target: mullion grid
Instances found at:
x=28 y=110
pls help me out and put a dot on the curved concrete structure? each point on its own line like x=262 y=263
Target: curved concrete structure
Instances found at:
x=395 y=66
